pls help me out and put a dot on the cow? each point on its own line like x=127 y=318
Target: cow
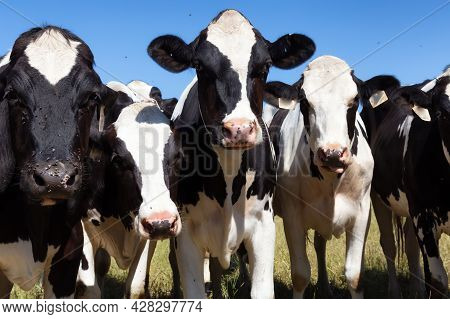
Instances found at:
x=134 y=208
x=49 y=94
x=393 y=208
x=412 y=174
x=324 y=168
x=224 y=167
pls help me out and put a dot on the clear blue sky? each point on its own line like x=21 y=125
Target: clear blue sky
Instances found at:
x=118 y=32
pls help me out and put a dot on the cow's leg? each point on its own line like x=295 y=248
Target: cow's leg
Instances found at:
x=176 y=286
x=5 y=286
x=136 y=285
x=355 y=242
x=190 y=265
x=261 y=252
x=87 y=285
x=102 y=264
x=384 y=218
x=215 y=273
x=416 y=280
x=61 y=276
x=435 y=275
x=323 y=284
x=296 y=241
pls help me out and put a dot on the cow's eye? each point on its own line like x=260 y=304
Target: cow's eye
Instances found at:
x=197 y=65
x=11 y=96
x=94 y=98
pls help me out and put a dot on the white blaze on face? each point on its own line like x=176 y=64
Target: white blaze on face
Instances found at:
x=145 y=131
x=329 y=89
x=234 y=37
x=52 y=55
x=141 y=89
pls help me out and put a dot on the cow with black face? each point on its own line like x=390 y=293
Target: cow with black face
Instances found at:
x=412 y=169
x=325 y=168
x=49 y=94
x=225 y=165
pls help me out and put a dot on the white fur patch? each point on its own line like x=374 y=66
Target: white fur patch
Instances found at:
x=145 y=140
x=447 y=155
x=233 y=35
x=329 y=89
x=120 y=87
x=400 y=206
x=52 y=55
x=378 y=98
x=141 y=89
x=18 y=265
x=5 y=59
x=179 y=107
x=403 y=131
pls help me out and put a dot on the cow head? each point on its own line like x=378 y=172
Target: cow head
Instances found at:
x=328 y=94
x=49 y=95
x=136 y=179
x=232 y=60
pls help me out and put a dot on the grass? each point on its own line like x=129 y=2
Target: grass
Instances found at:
x=375 y=276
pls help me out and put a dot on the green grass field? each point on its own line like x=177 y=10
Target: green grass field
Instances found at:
x=375 y=276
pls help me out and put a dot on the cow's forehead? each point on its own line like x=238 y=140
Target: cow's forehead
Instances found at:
x=52 y=54
x=329 y=78
x=234 y=37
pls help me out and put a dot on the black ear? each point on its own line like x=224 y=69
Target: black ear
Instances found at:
x=114 y=103
x=415 y=96
x=7 y=161
x=366 y=89
x=168 y=106
x=291 y=50
x=155 y=93
x=276 y=91
x=171 y=52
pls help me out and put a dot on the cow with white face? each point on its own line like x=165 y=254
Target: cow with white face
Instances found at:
x=133 y=209
x=224 y=168
x=325 y=168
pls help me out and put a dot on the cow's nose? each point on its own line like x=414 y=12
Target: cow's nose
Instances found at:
x=333 y=157
x=56 y=180
x=239 y=133
x=161 y=225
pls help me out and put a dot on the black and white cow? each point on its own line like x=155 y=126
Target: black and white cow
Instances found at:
x=412 y=170
x=49 y=93
x=134 y=209
x=376 y=107
x=225 y=171
x=325 y=168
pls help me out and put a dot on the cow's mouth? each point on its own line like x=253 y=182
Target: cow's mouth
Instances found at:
x=335 y=169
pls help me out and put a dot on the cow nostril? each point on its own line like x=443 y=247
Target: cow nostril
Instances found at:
x=227 y=132
x=72 y=177
x=39 y=180
x=174 y=223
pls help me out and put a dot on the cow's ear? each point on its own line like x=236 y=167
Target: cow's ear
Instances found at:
x=291 y=50
x=171 y=52
x=376 y=90
x=419 y=101
x=7 y=160
x=155 y=93
x=168 y=106
x=280 y=95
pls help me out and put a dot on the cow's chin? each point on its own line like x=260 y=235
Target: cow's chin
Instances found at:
x=334 y=170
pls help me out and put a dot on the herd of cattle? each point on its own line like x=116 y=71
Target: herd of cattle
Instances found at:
x=89 y=171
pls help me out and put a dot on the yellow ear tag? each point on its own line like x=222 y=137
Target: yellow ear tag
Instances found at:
x=286 y=104
x=378 y=98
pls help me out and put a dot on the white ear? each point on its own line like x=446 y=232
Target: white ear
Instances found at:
x=286 y=104
x=429 y=86
x=422 y=113
x=379 y=97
